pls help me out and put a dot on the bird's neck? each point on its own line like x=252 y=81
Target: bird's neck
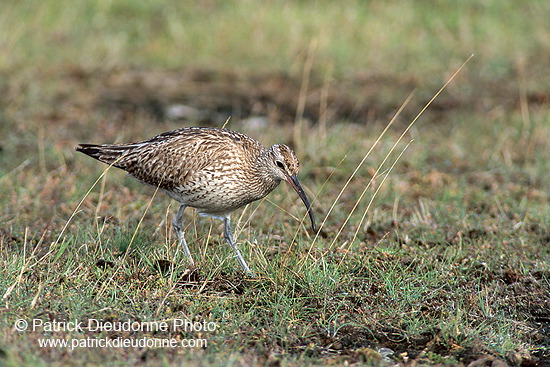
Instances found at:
x=263 y=172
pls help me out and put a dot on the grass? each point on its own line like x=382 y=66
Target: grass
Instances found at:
x=449 y=265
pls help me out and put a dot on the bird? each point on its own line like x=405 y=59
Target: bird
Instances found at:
x=214 y=170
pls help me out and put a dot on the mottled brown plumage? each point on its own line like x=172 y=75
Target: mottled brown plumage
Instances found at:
x=213 y=170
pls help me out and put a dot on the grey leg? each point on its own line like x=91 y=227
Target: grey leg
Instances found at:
x=229 y=238
x=179 y=232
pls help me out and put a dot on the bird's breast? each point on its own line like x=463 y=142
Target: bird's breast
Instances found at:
x=217 y=192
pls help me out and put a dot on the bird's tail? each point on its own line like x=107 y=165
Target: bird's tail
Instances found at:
x=107 y=153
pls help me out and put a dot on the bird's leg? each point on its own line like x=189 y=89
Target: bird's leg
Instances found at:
x=179 y=232
x=229 y=238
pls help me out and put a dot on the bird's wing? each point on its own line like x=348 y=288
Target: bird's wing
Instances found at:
x=174 y=158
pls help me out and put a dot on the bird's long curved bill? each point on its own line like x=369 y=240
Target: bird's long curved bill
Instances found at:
x=293 y=181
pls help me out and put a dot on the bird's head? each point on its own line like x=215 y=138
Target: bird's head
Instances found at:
x=284 y=165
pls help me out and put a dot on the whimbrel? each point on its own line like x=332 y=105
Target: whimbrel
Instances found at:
x=214 y=170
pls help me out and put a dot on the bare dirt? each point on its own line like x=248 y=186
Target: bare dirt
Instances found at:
x=208 y=96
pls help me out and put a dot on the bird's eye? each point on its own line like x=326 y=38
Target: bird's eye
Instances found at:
x=280 y=164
